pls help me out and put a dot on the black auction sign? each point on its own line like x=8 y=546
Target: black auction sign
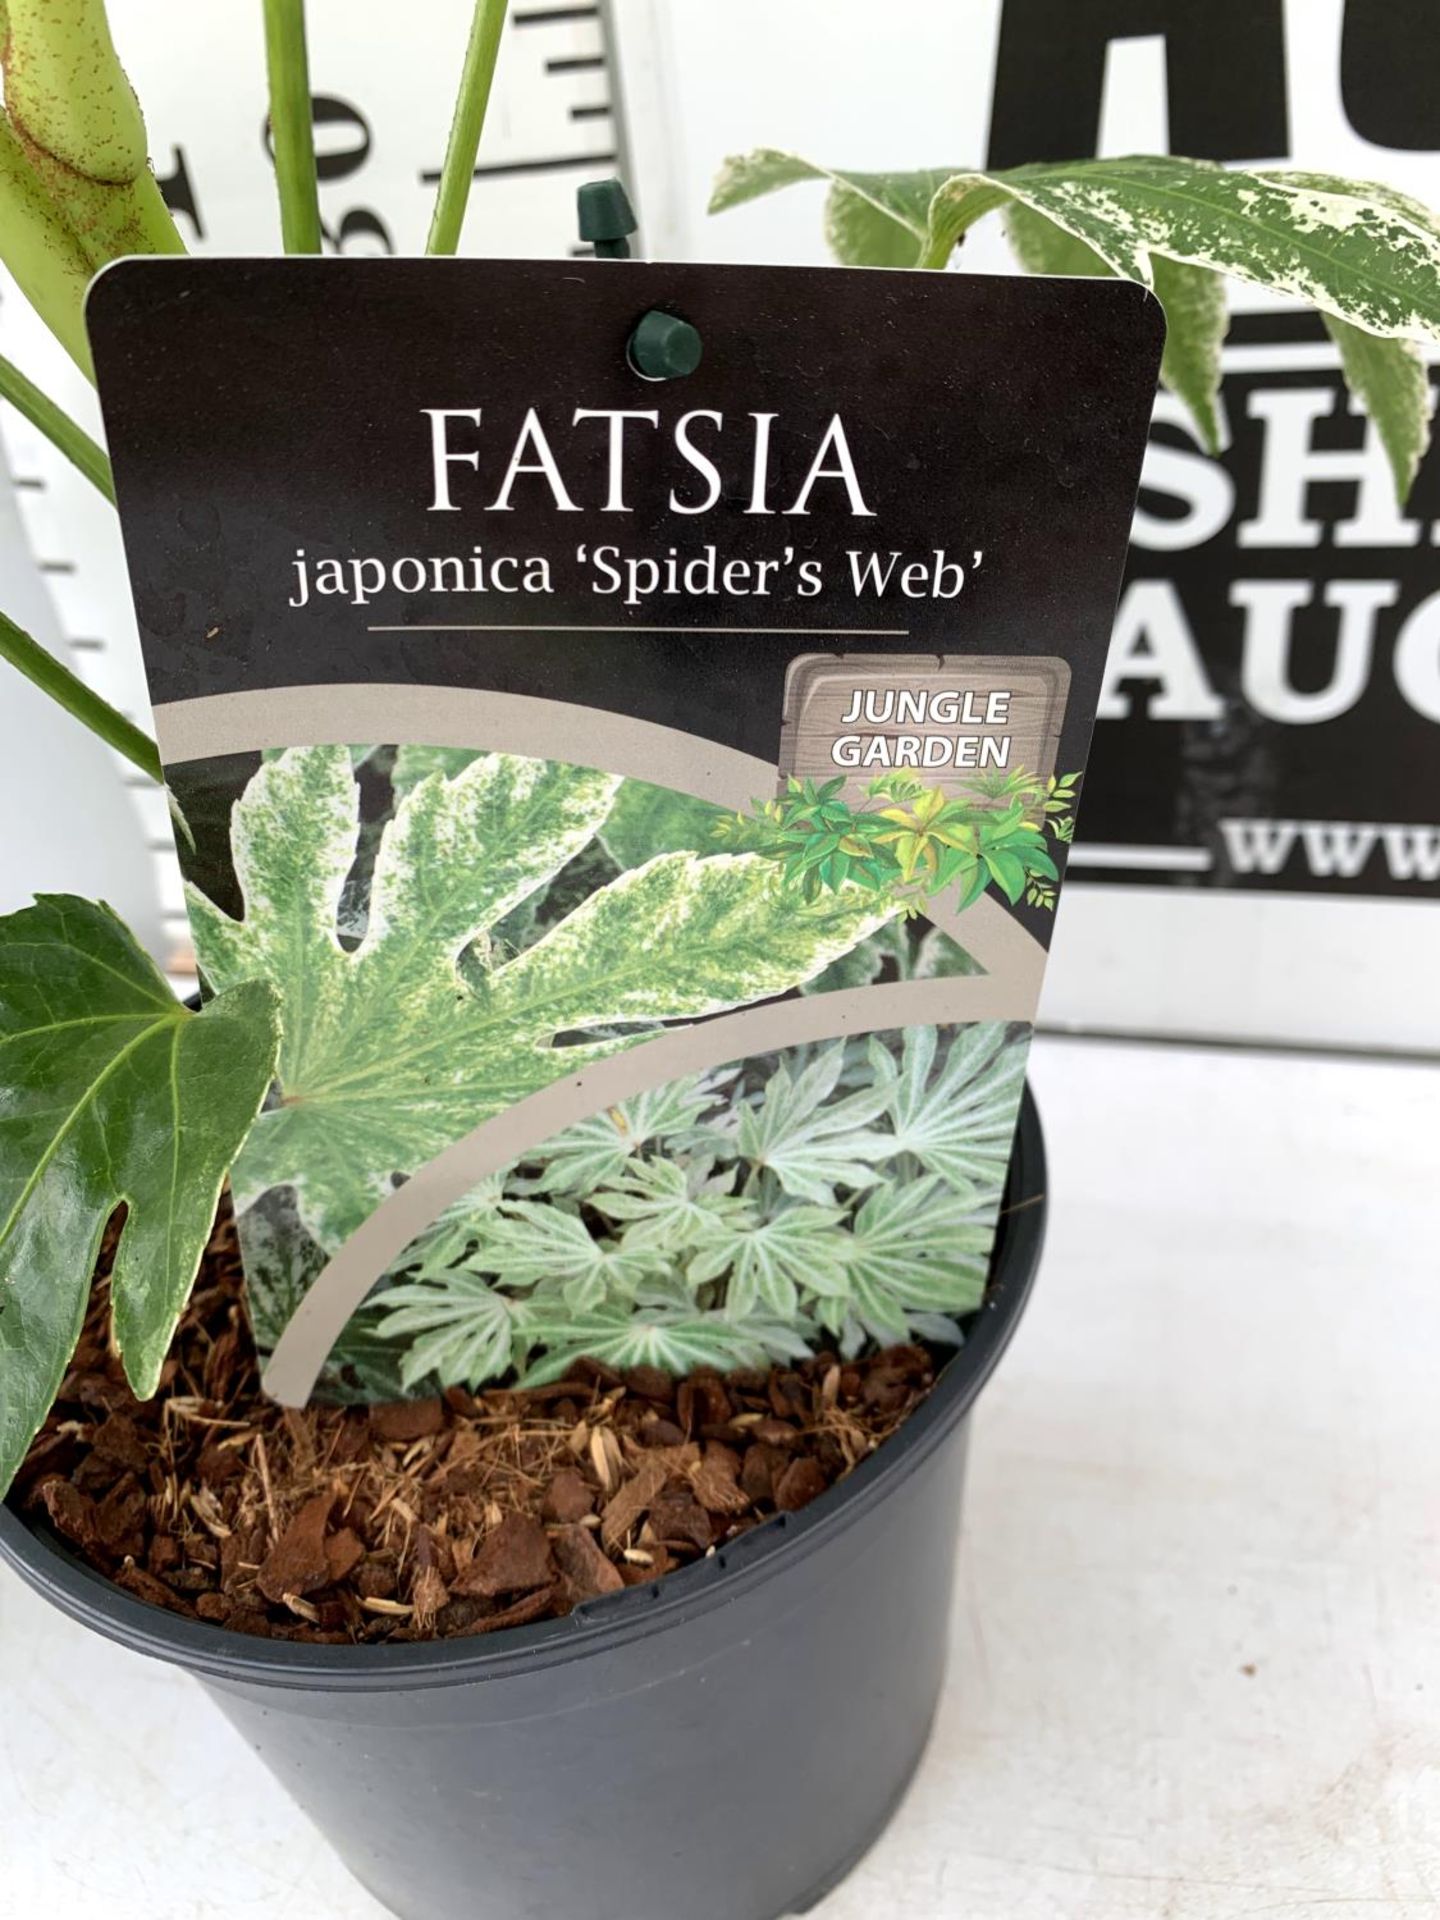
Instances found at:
x=556 y=738
x=1270 y=709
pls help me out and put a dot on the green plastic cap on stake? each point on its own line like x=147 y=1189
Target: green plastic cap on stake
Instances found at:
x=664 y=347
x=607 y=218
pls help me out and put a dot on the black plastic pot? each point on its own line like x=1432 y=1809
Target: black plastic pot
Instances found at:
x=723 y=1745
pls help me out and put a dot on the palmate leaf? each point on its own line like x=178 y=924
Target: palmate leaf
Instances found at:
x=529 y=1242
x=915 y=1247
x=389 y=1055
x=112 y=1094
x=958 y=1122
x=462 y=1331
x=667 y=1207
x=602 y=1147
x=771 y=1263
x=675 y=1339
x=810 y=1141
x=1358 y=251
x=717 y=1242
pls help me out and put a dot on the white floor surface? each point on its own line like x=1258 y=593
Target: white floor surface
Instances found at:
x=1196 y=1666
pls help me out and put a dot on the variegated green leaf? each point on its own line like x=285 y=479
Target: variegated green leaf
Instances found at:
x=462 y=1333
x=666 y=1206
x=675 y=1339
x=528 y=1242
x=1392 y=383
x=602 y=1147
x=685 y=1221
x=1345 y=248
x=1197 y=319
x=645 y=820
x=917 y=1247
x=1362 y=253
x=871 y=219
x=959 y=1121
x=811 y=1141
x=714 y=933
x=1196 y=315
x=416 y=763
x=771 y=1263
x=389 y=1053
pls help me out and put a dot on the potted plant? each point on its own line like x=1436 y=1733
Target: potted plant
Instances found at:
x=611 y=1691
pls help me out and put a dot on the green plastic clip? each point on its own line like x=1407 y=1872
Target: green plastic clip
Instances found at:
x=607 y=218
x=664 y=347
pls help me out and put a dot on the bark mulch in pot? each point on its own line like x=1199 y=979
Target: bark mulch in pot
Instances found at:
x=434 y=1518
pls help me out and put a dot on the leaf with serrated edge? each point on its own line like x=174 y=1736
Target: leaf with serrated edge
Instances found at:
x=113 y=1093
x=388 y=1055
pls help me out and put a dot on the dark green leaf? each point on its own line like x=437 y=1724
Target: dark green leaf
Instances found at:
x=113 y=1094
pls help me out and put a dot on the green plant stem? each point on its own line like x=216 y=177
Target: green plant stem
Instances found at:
x=76 y=116
x=72 y=440
x=50 y=266
x=486 y=26
x=292 y=129
x=76 y=698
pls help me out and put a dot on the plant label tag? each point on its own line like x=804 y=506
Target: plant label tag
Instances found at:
x=649 y=797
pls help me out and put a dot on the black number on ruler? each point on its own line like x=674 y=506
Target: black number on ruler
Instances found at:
x=336 y=158
x=178 y=192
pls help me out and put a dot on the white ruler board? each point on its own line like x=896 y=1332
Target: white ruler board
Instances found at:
x=382 y=113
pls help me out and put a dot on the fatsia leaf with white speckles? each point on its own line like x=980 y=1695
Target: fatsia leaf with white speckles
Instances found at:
x=1349 y=247
x=1392 y=382
x=389 y=1054
x=1361 y=252
x=1196 y=316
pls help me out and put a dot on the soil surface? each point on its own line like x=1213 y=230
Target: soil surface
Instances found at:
x=433 y=1518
